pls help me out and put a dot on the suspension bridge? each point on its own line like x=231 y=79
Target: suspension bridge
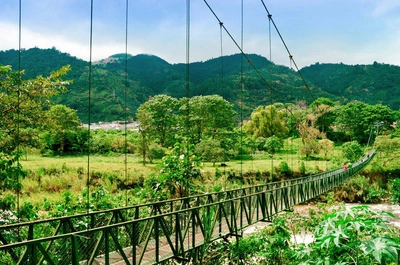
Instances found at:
x=159 y=232
x=163 y=231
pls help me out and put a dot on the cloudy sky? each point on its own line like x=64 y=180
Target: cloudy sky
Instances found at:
x=325 y=31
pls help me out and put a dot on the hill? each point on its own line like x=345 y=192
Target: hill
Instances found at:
x=372 y=84
x=149 y=75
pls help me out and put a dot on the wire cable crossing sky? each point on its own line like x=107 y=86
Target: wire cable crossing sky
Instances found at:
x=340 y=31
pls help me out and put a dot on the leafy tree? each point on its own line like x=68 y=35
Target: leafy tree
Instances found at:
x=273 y=144
x=242 y=146
x=309 y=135
x=60 y=121
x=23 y=101
x=352 y=151
x=323 y=109
x=210 y=150
x=157 y=118
x=209 y=117
x=142 y=144
x=266 y=122
x=357 y=118
x=326 y=146
x=388 y=148
x=322 y=101
x=155 y=152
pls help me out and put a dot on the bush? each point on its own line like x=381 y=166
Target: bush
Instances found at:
x=7 y=202
x=284 y=169
x=394 y=185
x=359 y=189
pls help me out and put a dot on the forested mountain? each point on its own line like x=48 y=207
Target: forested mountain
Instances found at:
x=112 y=91
x=372 y=84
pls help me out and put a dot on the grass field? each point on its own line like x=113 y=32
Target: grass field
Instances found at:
x=49 y=177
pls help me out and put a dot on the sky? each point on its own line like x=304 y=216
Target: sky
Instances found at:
x=324 y=31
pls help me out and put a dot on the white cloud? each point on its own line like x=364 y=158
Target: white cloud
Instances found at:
x=383 y=7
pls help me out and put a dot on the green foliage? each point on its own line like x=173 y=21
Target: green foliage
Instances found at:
x=284 y=169
x=267 y=122
x=273 y=144
x=7 y=202
x=353 y=236
x=372 y=83
x=180 y=168
x=23 y=102
x=360 y=189
x=61 y=123
x=352 y=151
x=388 y=148
x=155 y=151
x=357 y=119
x=395 y=190
x=303 y=168
x=207 y=117
x=269 y=246
x=157 y=117
x=210 y=150
x=28 y=212
x=11 y=172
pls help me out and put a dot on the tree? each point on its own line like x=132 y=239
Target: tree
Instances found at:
x=352 y=151
x=210 y=150
x=209 y=117
x=266 y=122
x=23 y=102
x=323 y=109
x=356 y=119
x=157 y=118
x=326 y=145
x=60 y=121
x=273 y=144
x=309 y=135
x=10 y=171
x=388 y=148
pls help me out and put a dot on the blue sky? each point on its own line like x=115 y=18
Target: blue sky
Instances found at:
x=325 y=31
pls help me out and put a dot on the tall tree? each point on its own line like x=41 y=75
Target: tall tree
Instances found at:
x=209 y=117
x=388 y=148
x=157 y=117
x=357 y=119
x=60 y=121
x=323 y=108
x=23 y=102
x=266 y=122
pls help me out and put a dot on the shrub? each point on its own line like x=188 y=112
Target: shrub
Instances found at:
x=394 y=185
x=7 y=202
x=359 y=189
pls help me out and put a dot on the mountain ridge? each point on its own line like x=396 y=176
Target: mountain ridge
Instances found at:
x=149 y=75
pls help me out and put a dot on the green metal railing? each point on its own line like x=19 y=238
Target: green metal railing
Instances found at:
x=157 y=232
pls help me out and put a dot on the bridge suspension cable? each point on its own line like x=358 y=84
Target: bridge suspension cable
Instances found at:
x=89 y=106
x=18 y=108
x=125 y=102
x=287 y=49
